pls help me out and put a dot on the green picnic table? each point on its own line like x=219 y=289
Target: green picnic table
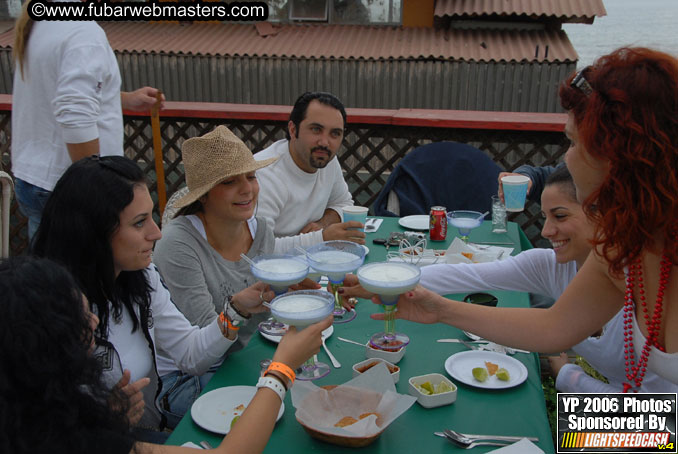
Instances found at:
x=515 y=411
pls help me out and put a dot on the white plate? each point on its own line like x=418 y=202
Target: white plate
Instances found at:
x=215 y=410
x=460 y=365
x=416 y=222
x=326 y=333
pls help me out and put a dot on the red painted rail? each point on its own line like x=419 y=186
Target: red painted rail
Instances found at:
x=464 y=119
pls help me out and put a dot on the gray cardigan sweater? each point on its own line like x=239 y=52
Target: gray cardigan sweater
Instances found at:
x=200 y=279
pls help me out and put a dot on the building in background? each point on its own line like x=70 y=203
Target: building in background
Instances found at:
x=492 y=55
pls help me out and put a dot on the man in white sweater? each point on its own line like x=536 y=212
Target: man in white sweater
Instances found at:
x=304 y=191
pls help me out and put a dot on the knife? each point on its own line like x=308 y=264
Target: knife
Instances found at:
x=459 y=341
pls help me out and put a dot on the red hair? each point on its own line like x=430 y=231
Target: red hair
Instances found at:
x=630 y=120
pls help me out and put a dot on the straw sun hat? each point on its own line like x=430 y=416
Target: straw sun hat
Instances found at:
x=212 y=158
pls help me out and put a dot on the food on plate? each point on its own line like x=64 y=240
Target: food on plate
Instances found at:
x=365 y=415
x=491 y=367
x=234 y=420
x=503 y=374
x=240 y=408
x=480 y=373
x=346 y=421
x=468 y=255
x=363 y=369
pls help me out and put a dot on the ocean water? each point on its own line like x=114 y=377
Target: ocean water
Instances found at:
x=647 y=23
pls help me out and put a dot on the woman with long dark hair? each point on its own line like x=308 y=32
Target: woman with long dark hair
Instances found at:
x=53 y=395
x=104 y=235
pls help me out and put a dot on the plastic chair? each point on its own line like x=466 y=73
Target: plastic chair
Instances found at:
x=7 y=189
x=450 y=174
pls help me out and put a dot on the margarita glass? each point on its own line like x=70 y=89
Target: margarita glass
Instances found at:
x=465 y=221
x=334 y=259
x=279 y=271
x=302 y=308
x=389 y=280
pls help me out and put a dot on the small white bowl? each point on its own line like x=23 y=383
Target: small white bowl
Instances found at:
x=432 y=400
x=391 y=357
x=374 y=361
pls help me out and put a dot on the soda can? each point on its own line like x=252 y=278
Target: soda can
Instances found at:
x=438 y=224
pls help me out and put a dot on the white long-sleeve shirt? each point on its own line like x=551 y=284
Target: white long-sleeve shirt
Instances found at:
x=70 y=93
x=177 y=344
x=537 y=271
x=291 y=198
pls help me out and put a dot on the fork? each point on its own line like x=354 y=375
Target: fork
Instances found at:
x=470 y=438
x=471 y=444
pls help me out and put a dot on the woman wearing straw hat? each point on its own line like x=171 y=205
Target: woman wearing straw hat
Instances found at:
x=199 y=254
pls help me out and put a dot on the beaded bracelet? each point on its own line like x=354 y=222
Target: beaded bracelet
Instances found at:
x=283 y=369
x=225 y=321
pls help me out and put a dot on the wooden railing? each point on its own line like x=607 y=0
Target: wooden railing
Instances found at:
x=374 y=142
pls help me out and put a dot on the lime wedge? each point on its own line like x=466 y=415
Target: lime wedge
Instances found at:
x=428 y=387
x=443 y=387
x=424 y=390
x=234 y=420
x=502 y=374
x=480 y=373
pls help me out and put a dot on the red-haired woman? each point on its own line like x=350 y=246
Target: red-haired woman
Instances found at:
x=623 y=124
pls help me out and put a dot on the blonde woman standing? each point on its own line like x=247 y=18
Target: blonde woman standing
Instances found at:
x=66 y=104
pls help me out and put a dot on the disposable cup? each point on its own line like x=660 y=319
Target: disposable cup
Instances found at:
x=515 y=191
x=355 y=213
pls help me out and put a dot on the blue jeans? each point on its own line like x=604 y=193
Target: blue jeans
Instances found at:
x=31 y=200
x=178 y=393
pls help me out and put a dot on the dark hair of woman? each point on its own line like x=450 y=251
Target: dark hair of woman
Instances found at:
x=193 y=208
x=78 y=221
x=52 y=399
x=630 y=120
x=563 y=179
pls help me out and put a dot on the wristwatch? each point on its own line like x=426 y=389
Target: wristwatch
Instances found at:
x=274 y=384
x=233 y=314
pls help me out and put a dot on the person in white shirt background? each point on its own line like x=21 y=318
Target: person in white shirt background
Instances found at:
x=66 y=104
x=304 y=191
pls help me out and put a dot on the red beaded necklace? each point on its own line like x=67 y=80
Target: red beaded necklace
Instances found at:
x=635 y=372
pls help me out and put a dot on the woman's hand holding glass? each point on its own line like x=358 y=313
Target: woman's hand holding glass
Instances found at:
x=297 y=346
x=419 y=305
x=306 y=284
x=250 y=300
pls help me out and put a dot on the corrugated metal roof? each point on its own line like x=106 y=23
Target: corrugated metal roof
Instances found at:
x=570 y=10
x=342 y=42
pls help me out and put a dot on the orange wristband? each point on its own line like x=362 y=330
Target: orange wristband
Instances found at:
x=283 y=369
x=224 y=320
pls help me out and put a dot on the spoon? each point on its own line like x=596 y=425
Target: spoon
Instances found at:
x=335 y=363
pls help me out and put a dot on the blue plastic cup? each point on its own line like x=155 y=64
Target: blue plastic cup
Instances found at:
x=355 y=213
x=515 y=191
